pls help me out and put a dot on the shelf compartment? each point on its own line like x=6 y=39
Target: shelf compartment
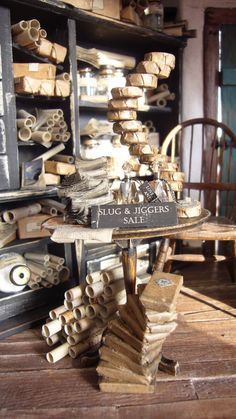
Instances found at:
x=29 y=54
x=41 y=98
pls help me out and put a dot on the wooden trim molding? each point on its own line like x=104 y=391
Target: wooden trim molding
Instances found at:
x=215 y=18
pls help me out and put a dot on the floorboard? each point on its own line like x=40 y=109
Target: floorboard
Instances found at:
x=204 y=343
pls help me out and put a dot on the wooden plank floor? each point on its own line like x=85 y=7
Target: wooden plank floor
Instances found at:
x=204 y=344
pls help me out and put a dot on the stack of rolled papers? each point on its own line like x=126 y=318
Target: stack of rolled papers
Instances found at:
x=29 y=34
x=82 y=192
x=44 y=126
x=86 y=311
x=123 y=107
x=132 y=344
x=47 y=270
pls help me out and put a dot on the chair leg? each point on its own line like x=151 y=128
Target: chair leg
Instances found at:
x=162 y=256
x=231 y=264
x=170 y=251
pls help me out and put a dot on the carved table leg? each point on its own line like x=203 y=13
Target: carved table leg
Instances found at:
x=129 y=262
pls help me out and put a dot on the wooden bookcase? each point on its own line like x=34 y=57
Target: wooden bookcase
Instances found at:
x=70 y=27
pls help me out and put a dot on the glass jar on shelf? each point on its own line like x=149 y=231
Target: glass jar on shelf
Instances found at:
x=87 y=82
x=105 y=80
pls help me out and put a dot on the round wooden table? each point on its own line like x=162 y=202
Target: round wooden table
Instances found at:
x=128 y=239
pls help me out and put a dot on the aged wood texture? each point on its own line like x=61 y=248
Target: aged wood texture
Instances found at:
x=203 y=344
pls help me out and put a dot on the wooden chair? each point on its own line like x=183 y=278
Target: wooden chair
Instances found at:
x=207 y=153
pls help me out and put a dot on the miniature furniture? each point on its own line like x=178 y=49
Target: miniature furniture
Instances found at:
x=206 y=151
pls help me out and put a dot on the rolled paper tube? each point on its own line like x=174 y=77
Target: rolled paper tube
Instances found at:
x=85 y=299
x=64 y=274
x=51 y=328
x=70 y=305
x=78 y=337
x=56 y=281
x=22 y=114
x=57 y=111
x=161 y=58
x=108 y=309
x=149 y=67
x=41 y=136
x=122 y=104
x=54 y=258
x=49 y=210
x=19 y=27
x=127 y=91
x=64 y=159
x=11 y=216
x=130 y=126
x=57 y=130
x=74 y=293
x=134 y=138
x=65 y=137
x=113 y=288
x=33 y=47
x=68 y=328
x=56 y=137
x=83 y=324
x=62 y=124
x=33 y=285
x=99 y=321
x=93 y=310
x=54 y=266
x=34 y=277
x=45 y=283
x=63 y=76
x=42 y=33
x=112 y=274
x=52 y=340
x=93 y=300
x=58 y=353
x=39 y=257
x=78 y=349
x=60 y=208
x=79 y=312
x=44 y=47
x=95 y=289
x=147 y=81
x=66 y=317
x=171 y=96
x=162 y=87
x=50 y=122
x=49 y=270
x=161 y=103
x=37 y=269
x=34 y=23
x=93 y=277
x=103 y=299
x=56 y=312
x=51 y=279
x=27 y=37
x=121 y=115
x=24 y=134
x=58 y=53
x=50 y=153
x=24 y=122
x=159 y=95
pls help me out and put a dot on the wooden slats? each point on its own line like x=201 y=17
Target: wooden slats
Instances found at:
x=203 y=343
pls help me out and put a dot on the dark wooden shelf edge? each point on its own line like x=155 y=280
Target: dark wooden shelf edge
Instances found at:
x=17 y=244
x=89 y=17
x=23 y=321
x=42 y=98
x=19 y=194
x=38 y=57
